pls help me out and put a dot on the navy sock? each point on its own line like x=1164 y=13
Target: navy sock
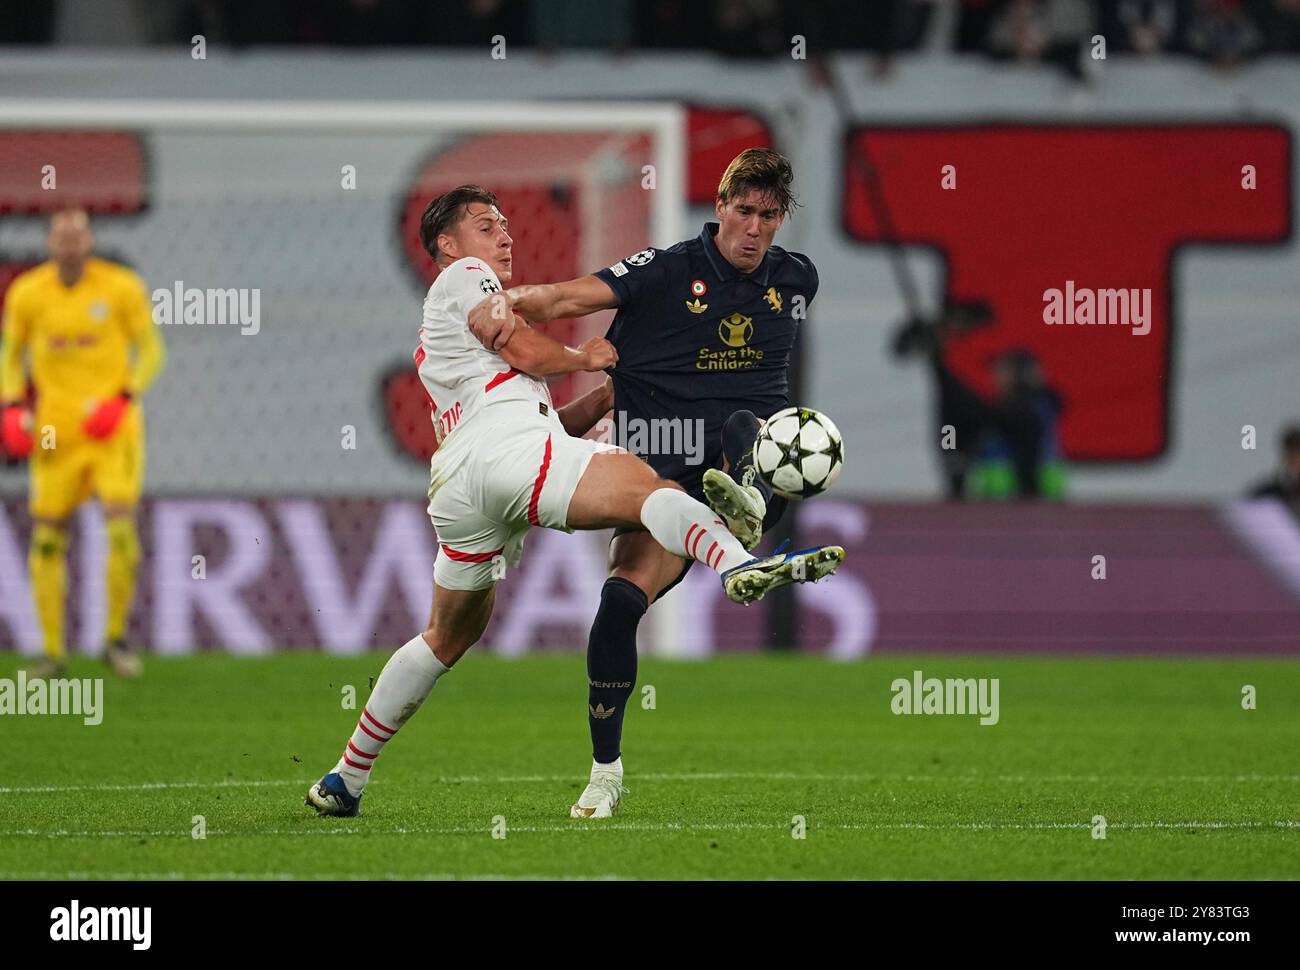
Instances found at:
x=611 y=665
x=738 y=435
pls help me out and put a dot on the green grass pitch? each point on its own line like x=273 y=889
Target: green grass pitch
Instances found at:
x=1191 y=785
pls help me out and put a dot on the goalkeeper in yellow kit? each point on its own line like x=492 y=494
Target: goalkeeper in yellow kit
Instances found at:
x=73 y=323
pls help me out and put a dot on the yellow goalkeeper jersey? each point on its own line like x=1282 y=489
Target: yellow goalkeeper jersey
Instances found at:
x=79 y=341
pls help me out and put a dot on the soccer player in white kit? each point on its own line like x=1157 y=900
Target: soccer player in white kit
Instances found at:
x=508 y=461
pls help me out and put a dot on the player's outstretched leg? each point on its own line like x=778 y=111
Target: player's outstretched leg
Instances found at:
x=668 y=513
x=619 y=489
x=739 y=495
x=458 y=620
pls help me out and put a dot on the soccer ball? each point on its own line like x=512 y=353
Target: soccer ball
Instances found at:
x=799 y=452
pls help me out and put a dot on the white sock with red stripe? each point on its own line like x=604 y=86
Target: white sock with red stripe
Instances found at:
x=691 y=529
x=403 y=684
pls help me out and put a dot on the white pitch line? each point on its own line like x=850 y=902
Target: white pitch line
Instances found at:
x=693 y=777
x=653 y=827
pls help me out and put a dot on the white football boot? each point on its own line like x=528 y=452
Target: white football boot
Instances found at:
x=601 y=797
x=742 y=507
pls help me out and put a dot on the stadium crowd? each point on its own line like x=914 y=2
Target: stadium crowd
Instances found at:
x=1222 y=32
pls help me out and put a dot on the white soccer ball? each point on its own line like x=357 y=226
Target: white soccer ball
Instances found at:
x=799 y=452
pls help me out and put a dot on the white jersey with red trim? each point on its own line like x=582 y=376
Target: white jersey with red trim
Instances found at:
x=460 y=375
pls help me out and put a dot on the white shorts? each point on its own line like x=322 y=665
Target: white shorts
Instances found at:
x=516 y=468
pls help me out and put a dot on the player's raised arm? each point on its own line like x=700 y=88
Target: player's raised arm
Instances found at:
x=492 y=321
x=539 y=302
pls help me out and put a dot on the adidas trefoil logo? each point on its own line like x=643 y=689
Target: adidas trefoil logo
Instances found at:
x=600 y=712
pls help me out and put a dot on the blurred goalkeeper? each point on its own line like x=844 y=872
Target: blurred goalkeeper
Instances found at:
x=82 y=328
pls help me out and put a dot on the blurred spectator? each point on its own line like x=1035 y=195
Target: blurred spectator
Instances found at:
x=745 y=28
x=450 y=23
x=1285 y=484
x=1222 y=33
x=1016 y=453
x=1005 y=448
x=1052 y=31
x=1146 y=26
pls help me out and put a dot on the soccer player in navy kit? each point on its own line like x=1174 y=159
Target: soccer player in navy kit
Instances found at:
x=704 y=331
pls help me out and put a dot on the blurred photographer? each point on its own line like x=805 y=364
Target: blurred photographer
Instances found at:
x=1285 y=484
x=1005 y=448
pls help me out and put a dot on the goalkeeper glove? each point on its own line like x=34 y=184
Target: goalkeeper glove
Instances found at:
x=16 y=430
x=105 y=419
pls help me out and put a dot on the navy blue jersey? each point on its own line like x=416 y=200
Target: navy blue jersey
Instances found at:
x=697 y=340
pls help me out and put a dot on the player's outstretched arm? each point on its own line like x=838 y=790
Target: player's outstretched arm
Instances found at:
x=540 y=302
x=492 y=321
x=581 y=414
x=542 y=356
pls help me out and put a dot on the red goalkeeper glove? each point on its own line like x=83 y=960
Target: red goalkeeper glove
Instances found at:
x=107 y=416
x=16 y=430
